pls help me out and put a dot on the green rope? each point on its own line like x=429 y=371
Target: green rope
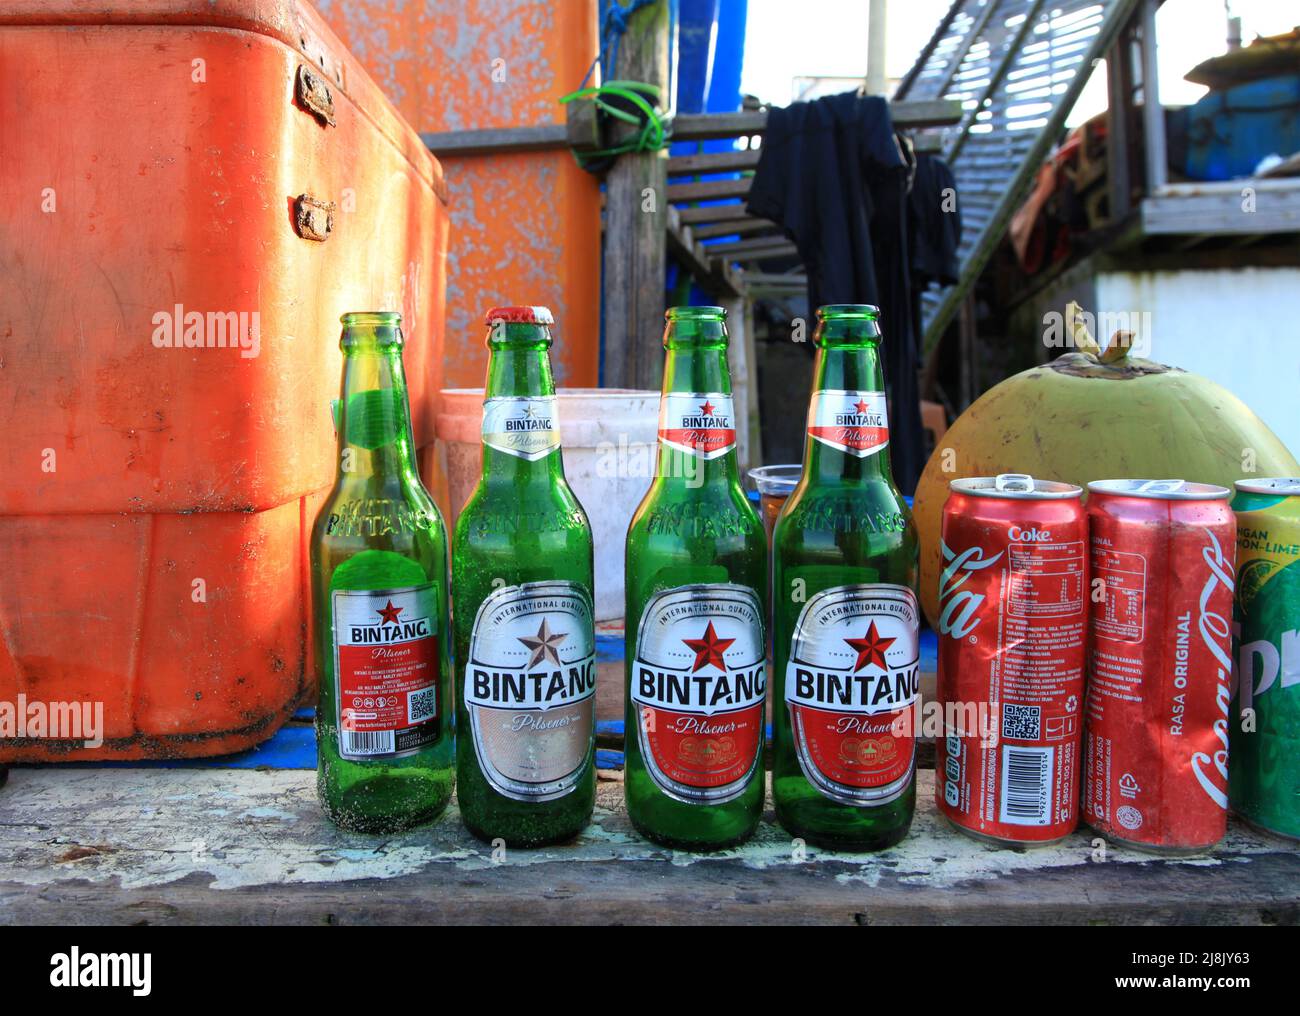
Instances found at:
x=650 y=137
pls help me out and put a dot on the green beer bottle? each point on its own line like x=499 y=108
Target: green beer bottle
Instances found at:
x=845 y=616
x=696 y=575
x=1264 y=753
x=380 y=605
x=522 y=573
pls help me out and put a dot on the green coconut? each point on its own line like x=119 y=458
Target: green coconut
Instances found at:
x=1090 y=415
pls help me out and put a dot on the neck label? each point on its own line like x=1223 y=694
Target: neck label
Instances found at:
x=702 y=424
x=526 y=427
x=852 y=422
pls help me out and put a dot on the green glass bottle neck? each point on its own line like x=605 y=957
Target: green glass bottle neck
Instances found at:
x=374 y=425
x=845 y=363
x=697 y=367
x=519 y=366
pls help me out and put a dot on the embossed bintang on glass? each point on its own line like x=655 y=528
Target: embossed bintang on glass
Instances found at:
x=380 y=605
x=523 y=585
x=845 y=614
x=696 y=587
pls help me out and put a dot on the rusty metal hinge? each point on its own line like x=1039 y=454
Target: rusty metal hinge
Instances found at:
x=314 y=95
x=313 y=218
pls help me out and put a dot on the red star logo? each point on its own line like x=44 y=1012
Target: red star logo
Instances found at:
x=389 y=613
x=861 y=405
x=708 y=649
x=871 y=648
x=707 y=409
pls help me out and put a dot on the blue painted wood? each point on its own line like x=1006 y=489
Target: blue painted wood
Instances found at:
x=294 y=745
x=609 y=648
x=608 y=759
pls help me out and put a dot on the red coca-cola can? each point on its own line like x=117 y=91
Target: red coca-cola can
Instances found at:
x=1159 y=663
x=1012 y=642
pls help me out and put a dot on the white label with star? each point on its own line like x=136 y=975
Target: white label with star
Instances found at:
x=524 y=426
x=699 y=423
x=853 y=422
x=529 y=687
x=699 y=683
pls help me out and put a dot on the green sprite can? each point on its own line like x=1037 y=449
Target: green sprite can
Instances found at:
x=1264 y=760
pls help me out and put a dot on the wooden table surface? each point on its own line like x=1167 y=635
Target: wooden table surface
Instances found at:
x=82 y=845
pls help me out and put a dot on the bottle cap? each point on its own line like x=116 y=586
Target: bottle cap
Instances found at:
x=520 y=316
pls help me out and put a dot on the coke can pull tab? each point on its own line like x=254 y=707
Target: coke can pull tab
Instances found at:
x=1160 y=486
x=1014 y=481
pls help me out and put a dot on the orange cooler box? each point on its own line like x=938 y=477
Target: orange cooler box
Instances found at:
x=194 y=192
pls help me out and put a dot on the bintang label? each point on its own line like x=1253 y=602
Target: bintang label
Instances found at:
x=853 y=675
x=521 y=426
x=386 y=661
x=702 y=424
x=529 y=688
x=699 y=681
x=852 y=422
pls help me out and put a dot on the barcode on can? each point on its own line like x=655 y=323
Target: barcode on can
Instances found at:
x=366 y=742
x=1026 y=785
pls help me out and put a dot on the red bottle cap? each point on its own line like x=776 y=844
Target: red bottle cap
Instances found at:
x=520 y=315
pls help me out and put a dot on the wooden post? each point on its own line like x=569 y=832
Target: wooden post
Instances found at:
x=636 y=221
x=742 y=359
x=876 y=76
x=1153 y=114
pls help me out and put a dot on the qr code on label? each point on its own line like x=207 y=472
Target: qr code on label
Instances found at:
x=1021 y=722
x=422 y=705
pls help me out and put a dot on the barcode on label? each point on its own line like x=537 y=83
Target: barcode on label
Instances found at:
x=1026 y=785
x=422 y=705
x=367 y=742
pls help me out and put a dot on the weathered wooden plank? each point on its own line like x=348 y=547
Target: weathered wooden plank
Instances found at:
x=712 y=162
x=757 y=244
x=692 y=127
x=707 y=190
x=717 y=277
x=703 y=126
x=774 y=280
x=787 y=250
x=714 y=213
x=1232 y=207
x=121 y=846
x=739 y=227
x=497 y=140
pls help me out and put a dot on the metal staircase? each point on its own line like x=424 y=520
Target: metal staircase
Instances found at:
x=1017 y=67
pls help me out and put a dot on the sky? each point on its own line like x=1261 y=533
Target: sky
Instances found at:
x=789 y=38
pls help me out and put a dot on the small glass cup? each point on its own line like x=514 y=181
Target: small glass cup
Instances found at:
x=775 y=484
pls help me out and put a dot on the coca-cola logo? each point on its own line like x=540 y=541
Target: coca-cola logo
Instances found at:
x=959 y=608
x=1216 y=634
x=1018 y=535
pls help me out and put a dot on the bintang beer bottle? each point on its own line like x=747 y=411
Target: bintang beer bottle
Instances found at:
x=525 y=640
x=380 y=605
x=696 y=583
x=846 y=619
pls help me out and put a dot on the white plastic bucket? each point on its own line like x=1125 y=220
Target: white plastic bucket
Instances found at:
x=610 y=445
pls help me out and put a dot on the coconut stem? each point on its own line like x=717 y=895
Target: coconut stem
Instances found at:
x=1080 y=337
x=1121 y=343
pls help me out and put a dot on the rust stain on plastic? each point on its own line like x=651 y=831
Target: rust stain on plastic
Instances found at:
x=524 y=228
